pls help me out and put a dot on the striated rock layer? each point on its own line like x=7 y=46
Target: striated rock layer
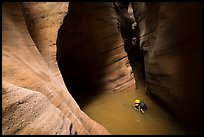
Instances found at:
x=34 y=97
x=90 y=51
x=92 y=59
x=170 y=37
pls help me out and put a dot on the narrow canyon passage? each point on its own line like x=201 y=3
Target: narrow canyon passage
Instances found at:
x=73 y=68
x=99 y=62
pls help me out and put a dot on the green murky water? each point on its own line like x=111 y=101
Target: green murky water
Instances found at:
x=115 y=112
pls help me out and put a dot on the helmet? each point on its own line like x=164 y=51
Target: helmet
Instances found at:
x=137 y=101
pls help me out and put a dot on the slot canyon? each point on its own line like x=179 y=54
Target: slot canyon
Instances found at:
x=71 y=68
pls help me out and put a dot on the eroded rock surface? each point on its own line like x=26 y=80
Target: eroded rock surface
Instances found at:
x=34 y=97
x=90 y=51
x=92 y=59
x=170 y=37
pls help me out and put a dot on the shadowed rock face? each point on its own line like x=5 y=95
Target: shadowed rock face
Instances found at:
x=34 y=97
x=170 y=36
x=90 y=51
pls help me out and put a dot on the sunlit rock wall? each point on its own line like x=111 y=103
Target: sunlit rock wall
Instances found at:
x=34 y=97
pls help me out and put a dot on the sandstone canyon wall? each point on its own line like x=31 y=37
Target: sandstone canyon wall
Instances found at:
x=91 y=57
x=90 y=51
x=34 y=97
x=170 y=37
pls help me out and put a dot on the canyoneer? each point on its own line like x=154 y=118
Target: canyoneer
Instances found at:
x=140 y=106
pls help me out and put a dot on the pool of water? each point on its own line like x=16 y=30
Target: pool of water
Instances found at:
x=116 y=113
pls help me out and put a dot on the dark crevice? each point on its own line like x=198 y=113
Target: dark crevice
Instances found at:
x=130 y=34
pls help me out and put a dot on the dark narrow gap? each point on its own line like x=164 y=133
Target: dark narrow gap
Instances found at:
x=130 y=33
x=136 y=60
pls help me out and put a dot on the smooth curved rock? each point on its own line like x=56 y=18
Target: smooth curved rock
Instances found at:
x=90 y=51
x=170 y=36
x=35 y=99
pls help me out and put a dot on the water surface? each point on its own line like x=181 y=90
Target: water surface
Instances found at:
x=116 y=113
